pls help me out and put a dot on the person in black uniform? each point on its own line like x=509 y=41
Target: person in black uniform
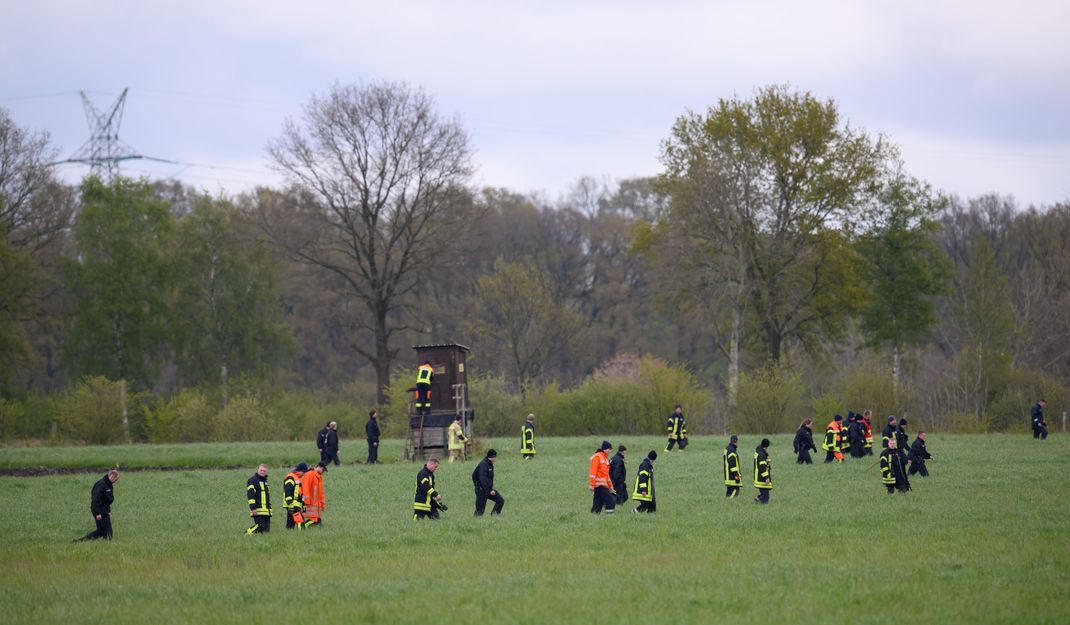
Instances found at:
x=644 y=485
x=329 y=452
x=1040 y=427
x=856 y=435
x=889 y=431
x=618 y=474
x=763 y=473
x=677 y=429
x=483 y=481
x=893 y=474
x=918 y=456
x=804 y=442
x=259 y=501
x=428 y=501
x=371 y=431
x=733 y=478
x=902 y=442
x=100 y=506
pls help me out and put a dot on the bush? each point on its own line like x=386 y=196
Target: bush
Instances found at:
x=769 y=400
x=11 y=412
x=185 y=418
x=499 y=412
x=244 y=419
x=92 y=411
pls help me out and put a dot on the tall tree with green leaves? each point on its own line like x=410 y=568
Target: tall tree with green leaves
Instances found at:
x=122 y=280
x=904 y=268
x=764 y=195
x=227 y=298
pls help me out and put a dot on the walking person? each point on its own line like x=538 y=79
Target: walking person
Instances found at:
x=428 y=501
x=867 y=428
x=457 y=440
x=831 y=444
x=259 y=501
x=599 y=482
x=893 y=474
x=328 y=444
x=618 y=473
x=644 y=485
x=763 y=472
x=291 y=497
x=312 y=495
x=527 y=438
x=101 y=498
x=902 y=442
x=677 y=429
x=372 y=433
x=804 y=443
x=483 y=482
x=733 y=477
x=1040 y=427
x=918 y=455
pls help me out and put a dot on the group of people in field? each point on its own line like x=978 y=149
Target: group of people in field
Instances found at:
x=304 y=499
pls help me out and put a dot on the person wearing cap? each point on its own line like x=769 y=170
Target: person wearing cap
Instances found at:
x=527 y=438
x=291 y=497
x=618 y=474
x=804 y=442
x=428 y=501
x=457 y=440
x=483 y=481
x=1040 y=427
x=831 y=444
x=733 y=477
x=600 y=484
x=902 y=441
x=856 y=435
x=644 y=485
x=312 y=495
x=889 y=431
x=677 y=429
x=918 y=455
x=259 y=501
x=892 y=474
x=763 y=474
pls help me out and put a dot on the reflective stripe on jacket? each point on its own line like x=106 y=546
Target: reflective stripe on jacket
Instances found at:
x=732 y=475
x=259 y=498
x=599 y=473
x=312 y=495
x=527 y=438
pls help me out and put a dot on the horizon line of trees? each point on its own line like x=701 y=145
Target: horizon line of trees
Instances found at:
x=781 y=252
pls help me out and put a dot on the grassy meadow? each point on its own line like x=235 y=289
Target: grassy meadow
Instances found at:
x=983 y=540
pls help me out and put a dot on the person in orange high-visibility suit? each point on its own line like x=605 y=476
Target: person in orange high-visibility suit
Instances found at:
x=312 y=495
x=600 y=483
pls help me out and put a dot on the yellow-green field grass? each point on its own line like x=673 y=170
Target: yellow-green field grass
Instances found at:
x=985 y=539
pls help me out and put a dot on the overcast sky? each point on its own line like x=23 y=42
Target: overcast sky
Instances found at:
x=976 y=93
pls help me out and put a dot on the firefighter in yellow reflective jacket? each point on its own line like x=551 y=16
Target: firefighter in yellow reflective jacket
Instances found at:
x=893 y=473
x=527 y=438
x=644 y=485
x=733 y=478
x=428 y=501
x=763 y=474
x=831 y=445
x=677 y=429
x=457 y=440
x=259 y=501
x=425 y=375
x=291 y=497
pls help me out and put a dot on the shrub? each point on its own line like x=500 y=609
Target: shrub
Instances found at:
x=244 y=419
x=769 y=400
x=186 y=417
x=92 y=411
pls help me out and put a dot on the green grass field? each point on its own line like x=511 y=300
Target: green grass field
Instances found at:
x=983 y=540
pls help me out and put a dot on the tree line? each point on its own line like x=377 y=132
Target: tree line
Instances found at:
x=785 y=260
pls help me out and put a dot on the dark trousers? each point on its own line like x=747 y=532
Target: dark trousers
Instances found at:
x=647 y=506
x=891 y=488
x=869 y=450
x=103 y=529
x=763 y=495
x=830 y=456
x=423 y=399
x=328 y=456
x=290 y=522
x=261 y=525
x=424 y=514
x=918 y=466
x=373 y=451
x=622 y=494
x=732 y=491
x=676 y=441
x=603 y=498
x=804 y=457
x=857 y=449
x=1040 y=432
x=526 y=455
x=481 y=502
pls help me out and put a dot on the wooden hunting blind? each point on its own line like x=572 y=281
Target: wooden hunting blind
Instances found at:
x=428 y=433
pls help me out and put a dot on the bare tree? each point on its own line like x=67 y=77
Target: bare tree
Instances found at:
x=382 y=170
